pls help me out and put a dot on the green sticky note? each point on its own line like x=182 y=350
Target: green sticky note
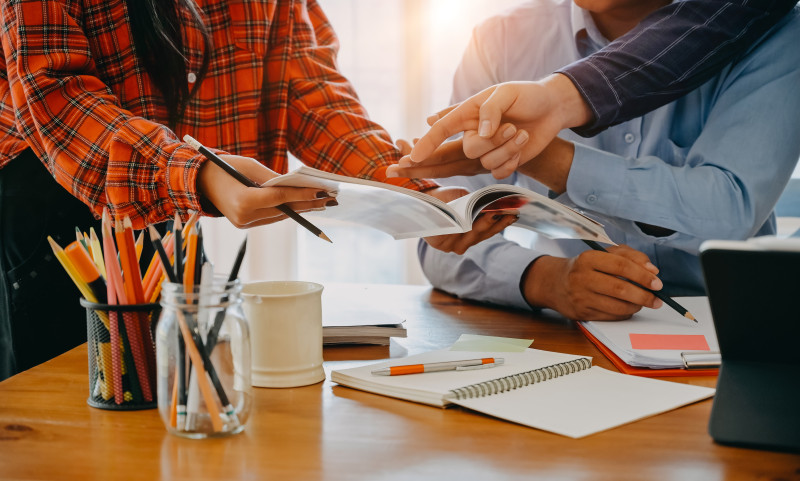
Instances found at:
x=476 y=342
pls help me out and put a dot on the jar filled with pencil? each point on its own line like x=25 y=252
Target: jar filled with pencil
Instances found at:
x=121 y=310
x=202 y=346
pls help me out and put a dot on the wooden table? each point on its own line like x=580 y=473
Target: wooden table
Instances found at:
x=327 y=431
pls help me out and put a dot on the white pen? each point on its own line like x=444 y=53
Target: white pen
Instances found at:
x=463 y=365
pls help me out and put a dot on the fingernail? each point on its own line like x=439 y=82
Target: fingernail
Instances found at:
x=509 y=131
x=657 y=304
x=484 y=129
x=432 y=119
x=390 y=172
x=331 y=203
x=656 y=285
x=522 y=137
x=322 y=194
x=652 y=268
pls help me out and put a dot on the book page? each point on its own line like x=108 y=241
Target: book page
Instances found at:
x=663 y=322
x=402 y=213
x=536 y=212
x=587 y=402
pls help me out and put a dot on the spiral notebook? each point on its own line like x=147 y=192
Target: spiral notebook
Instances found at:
x=551 y=391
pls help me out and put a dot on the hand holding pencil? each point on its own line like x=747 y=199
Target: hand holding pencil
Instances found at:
x=595 y=285
x=233 y=184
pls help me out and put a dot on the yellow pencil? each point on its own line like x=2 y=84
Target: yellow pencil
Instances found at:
x=62 y=257
x=139 y=245
x=73 y=274
x=97 y=252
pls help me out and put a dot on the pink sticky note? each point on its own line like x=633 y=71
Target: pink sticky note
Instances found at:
x=678 y=342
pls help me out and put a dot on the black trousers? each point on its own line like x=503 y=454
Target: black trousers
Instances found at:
x=40 y=314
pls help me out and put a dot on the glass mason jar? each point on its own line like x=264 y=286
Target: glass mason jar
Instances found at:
x=203 y=359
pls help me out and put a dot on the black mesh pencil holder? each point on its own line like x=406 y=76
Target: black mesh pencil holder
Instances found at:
x=122 y=361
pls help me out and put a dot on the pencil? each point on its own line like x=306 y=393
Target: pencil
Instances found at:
x=111 y=298
x=131 y=279
x=79 y=237
x=70 y=269
x=211 y=339
x=667 y=300
x=139 y=245
x=131 y=345
x=244 y=180
x=87 y=271
x=97 y=252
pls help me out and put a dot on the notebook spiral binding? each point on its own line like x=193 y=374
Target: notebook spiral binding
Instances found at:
x=507 y=383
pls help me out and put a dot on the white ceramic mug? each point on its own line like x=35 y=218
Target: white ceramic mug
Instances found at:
x=286 y=332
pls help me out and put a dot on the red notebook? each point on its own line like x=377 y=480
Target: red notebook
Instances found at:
x=643 y=371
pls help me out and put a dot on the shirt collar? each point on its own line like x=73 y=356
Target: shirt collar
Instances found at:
x=588 y=38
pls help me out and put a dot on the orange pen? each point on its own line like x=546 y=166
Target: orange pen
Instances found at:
x=462 y=365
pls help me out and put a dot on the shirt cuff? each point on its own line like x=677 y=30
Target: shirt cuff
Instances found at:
x=183 y=167
x=507 y=269
x=597 y=92
x=595 y=178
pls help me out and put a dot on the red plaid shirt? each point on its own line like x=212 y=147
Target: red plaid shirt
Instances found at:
x=72 y=90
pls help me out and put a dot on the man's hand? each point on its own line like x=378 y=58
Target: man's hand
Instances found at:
x=592 y=285
x=248 y=207
x=538 y=110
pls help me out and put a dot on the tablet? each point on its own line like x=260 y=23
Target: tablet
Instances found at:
x=754 y=293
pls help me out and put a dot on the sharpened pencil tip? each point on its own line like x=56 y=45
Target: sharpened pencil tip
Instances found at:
x=689 y=315
x=324 y=237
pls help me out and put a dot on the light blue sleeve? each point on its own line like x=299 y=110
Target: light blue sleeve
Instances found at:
x=733 y=172
x=488 y=272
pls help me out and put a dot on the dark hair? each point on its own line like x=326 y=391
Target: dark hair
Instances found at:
x=158 y=43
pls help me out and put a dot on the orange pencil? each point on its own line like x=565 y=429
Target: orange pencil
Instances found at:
x=169 y=248
x=132 y=281
x=134 y=352
x=111 y=295
x=212 y=404
x=191 y=258
x=156 y=271
x=130 y=266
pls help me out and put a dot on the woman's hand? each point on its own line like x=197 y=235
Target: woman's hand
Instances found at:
x=249 y=207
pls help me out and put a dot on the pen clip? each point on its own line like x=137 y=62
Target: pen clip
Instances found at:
x=477 y=366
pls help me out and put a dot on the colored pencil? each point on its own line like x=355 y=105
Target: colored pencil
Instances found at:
x=97 y=252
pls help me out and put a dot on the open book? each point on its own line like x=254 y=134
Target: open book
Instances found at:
x=555 y=392
x=404 y=213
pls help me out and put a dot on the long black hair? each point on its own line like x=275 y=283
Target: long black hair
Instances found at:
x=158 y=40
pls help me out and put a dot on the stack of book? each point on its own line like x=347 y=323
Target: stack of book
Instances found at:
x=360 y=326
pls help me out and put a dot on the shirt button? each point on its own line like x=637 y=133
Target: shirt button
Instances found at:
x=192 y=78
x=591 y=198
x=629 y=138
